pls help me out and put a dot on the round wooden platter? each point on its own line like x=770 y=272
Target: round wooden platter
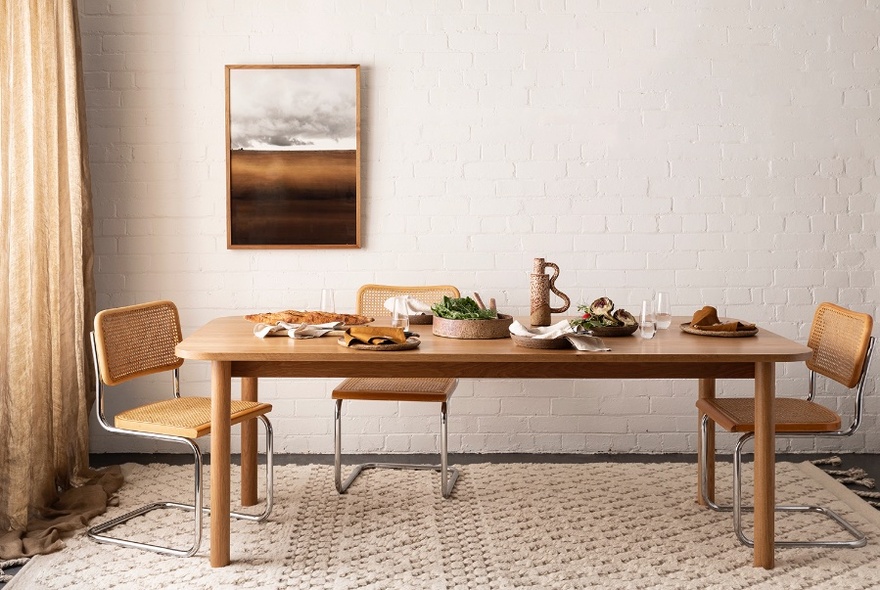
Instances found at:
x=546 y=343
x=687 y=328
x=411 y=342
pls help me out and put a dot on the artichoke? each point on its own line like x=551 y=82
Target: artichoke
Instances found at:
x=625 y=317
x=602 y=307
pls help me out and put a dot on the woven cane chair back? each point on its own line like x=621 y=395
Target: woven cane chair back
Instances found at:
x=839 y=339
x=371 y=298
x=137 y=340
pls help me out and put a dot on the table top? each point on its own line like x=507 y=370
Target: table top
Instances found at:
x=232 y=339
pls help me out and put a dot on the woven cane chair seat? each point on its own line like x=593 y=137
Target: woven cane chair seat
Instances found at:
x=790 y=415
x=396 y=389
x=189 y=417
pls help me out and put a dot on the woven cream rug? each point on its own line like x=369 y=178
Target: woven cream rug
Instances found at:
x=599 y=525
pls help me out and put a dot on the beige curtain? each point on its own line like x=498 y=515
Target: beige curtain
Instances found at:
x=47 y=297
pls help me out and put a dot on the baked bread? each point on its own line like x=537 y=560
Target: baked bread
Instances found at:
x=291 y=316
x=708 y=316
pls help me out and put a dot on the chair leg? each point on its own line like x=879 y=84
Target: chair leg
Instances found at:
x=341 y=487
x=95 y=532
x=704 y=469
x=448 y=475
x=858 y=540
x=446 y=484
x=270 y=478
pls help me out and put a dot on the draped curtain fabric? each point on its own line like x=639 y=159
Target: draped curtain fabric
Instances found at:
x=46 y=254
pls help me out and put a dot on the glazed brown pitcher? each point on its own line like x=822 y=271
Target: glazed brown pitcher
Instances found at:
x=540 y=286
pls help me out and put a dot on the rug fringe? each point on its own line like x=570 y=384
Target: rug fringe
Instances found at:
x=835 y=460
x=4 y=577
x=854 y=476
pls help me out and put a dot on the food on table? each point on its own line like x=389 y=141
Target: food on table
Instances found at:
x=292 y=316
x=708 y=316
x=601 y=314
x=601 y=307
x=707 y=320
x=625 y=317
x=374 y=335
x=462 y=308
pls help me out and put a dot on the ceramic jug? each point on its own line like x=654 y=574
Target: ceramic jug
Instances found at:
x=540 y=287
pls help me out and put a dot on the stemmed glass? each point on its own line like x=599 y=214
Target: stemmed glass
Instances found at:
x=662 y=310
x=647 y=326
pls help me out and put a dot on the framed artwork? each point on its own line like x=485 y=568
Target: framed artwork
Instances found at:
x=293 y=156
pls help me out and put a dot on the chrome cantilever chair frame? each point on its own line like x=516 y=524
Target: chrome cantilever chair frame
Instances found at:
x=96 y=532
x=370 y=300
x=859 y=539
x=448 y=475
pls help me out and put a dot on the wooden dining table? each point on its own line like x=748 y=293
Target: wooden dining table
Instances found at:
x=234 y=352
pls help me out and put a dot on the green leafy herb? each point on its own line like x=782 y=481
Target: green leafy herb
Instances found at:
x=462 y=308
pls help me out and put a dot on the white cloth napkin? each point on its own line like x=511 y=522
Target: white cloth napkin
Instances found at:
x=413 y=305
x=587 y=342
x=298 y=331
x=557 y=330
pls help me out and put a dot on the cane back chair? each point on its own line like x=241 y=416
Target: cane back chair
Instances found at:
x=138 y=340
x=371 y=302
x=842 y=344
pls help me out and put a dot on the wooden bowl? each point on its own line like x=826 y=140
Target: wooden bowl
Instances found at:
x=527 y=342
x=473 y=329
x=613 y=330
x=421 y=319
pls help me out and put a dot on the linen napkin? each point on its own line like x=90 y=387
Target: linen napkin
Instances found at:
x=413 y=305
x=587 y=342
x=374 y=335
x=557 y=330
x=707 y=319
x=298 y=331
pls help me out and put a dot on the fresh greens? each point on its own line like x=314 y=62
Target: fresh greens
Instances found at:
x=462 y=308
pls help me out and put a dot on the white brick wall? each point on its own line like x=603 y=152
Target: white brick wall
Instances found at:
x=726 y=152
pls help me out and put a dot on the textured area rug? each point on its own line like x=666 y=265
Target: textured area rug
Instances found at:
x=559 y=526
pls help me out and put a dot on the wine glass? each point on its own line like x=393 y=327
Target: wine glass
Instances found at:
x=662 y=310
x=647 y=326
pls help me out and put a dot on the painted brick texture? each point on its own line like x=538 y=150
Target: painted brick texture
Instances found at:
x=726 y=152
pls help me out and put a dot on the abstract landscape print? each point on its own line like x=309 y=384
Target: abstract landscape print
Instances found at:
x=293 y=165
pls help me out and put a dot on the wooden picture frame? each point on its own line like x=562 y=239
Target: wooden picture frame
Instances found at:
x=293 y=156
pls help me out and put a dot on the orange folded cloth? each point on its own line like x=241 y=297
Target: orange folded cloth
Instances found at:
x=707 y=319
x=374 y=335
